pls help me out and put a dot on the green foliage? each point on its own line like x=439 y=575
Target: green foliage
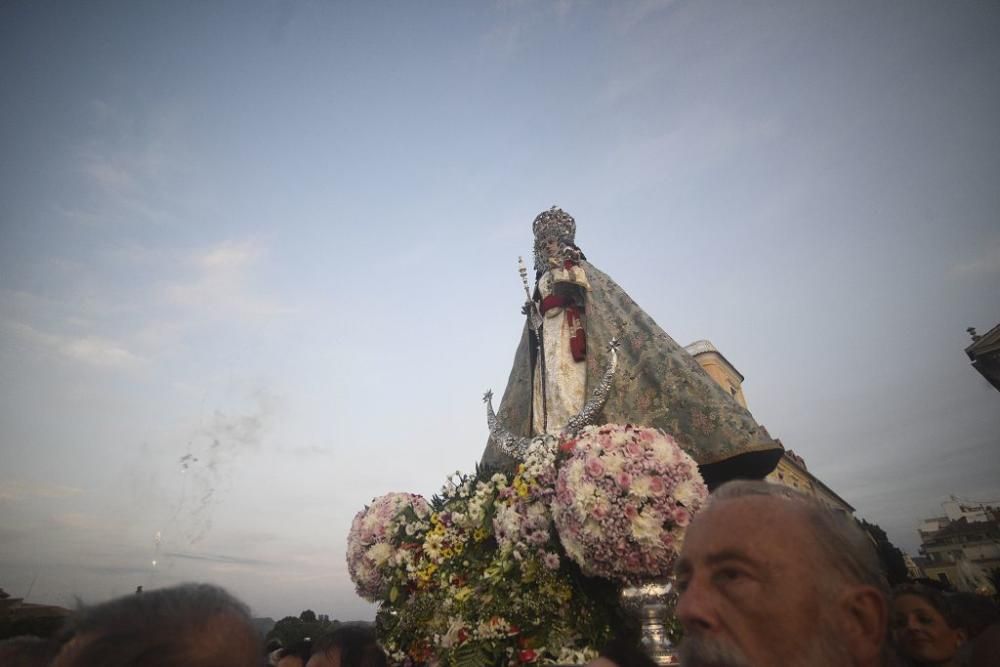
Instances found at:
x=293 y=629
x=470 y=655
x=889 y=555
x=993 y=576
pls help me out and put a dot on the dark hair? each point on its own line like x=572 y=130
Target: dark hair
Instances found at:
x=302 y=649
x=357 y=644
x=935 y=598
x=973 y=613
x=27 y=651
x=192 y=624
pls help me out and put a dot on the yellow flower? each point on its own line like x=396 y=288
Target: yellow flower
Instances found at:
x=425 y=573
x=463 y=594
x=481 y=534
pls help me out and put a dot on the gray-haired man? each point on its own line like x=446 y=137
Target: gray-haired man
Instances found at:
x=769 y=577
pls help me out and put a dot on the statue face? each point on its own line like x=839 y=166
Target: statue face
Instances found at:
x=553 y=251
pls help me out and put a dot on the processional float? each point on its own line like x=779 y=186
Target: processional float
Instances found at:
x=565 y=535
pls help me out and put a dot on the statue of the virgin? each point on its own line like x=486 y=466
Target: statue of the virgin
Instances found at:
x=574 y=311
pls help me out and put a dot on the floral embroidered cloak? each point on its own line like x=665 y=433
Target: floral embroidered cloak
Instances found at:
x=658 y=384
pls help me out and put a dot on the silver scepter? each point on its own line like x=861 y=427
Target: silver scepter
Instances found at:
x=534 y=314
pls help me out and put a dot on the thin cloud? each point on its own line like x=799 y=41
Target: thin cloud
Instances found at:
x=15 y=490
x=229 y=256
x=216 y=558
x=518 y=26
x=89 y=350
x=630 y=15
x=127 y=185
x=109 y=175
x=129 y=173
x=986 y=263
x=116 y=570
x=223 y=282
x=88 y=523
x=698 y=141
x=312 y=450
x=629 y=82
x=98 y=352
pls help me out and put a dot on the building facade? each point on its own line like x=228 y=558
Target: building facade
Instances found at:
x=961 y=547
x=791 y=469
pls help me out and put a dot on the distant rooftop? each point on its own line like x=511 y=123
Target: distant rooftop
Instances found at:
x=705 y=346
x=984 y=352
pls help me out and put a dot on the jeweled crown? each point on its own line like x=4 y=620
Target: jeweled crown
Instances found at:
x=554 y=223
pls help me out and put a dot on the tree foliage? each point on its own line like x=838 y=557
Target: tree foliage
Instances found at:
x=993 y=576
x=293 y=629
x=889 y=555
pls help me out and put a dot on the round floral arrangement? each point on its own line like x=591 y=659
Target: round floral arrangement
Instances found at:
x=624 y=496
x=369 y=542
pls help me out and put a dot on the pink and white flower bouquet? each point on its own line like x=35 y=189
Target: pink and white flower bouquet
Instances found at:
x=623 y=498
x=370 y=548
x=522 y=524
x=524 y=566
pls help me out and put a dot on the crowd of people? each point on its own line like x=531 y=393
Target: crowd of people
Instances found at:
x=766 y=578
x=191 y=625
x=344 y=646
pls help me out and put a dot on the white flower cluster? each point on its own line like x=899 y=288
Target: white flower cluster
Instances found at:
x=523 y=525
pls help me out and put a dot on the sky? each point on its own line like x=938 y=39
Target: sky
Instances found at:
x=258 y=260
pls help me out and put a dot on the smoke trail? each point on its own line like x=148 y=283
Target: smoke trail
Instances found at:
x=210 y=461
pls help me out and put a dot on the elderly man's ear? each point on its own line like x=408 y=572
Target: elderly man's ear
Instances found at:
x=864 y=616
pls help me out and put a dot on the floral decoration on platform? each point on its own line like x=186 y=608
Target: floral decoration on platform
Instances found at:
x=369 y=549
x=483 y=577
x=623 y=498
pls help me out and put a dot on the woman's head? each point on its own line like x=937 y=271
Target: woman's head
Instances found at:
x=923 y=626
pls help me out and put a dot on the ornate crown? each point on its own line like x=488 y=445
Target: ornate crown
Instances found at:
x=554 y=223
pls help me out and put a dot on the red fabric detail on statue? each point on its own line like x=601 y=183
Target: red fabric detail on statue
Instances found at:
x=577 y=336
x=554 y=301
